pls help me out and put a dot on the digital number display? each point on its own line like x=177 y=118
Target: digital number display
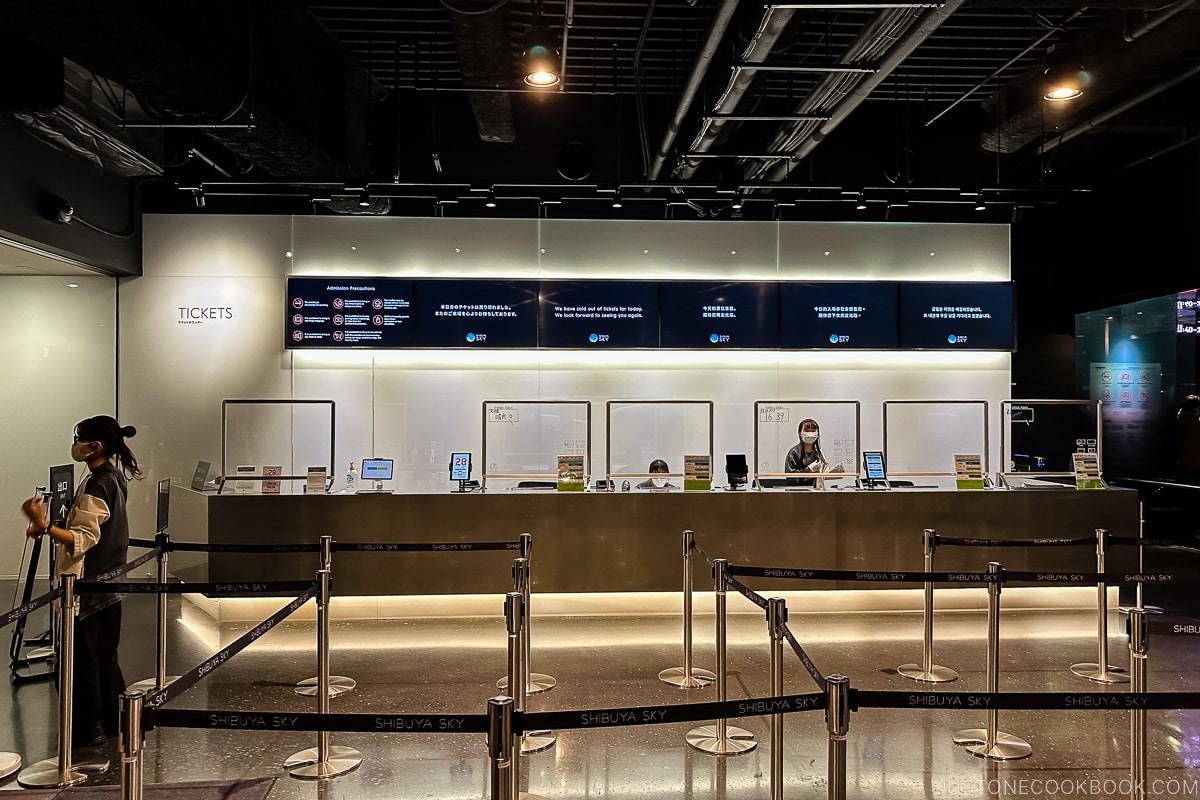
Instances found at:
x=487 y=314
x=349 y=312
x=460 y=466
x=707 y=315
x=957 y=316
x=598 y=314
x=838 y=316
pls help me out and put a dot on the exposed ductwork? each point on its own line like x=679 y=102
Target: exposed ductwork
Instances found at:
x=482 y=37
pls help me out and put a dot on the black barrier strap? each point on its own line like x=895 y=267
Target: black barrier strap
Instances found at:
x=146 y=587
x=1151 y=542
x=805 y=660
x=1089 y=577
x=950 y=540
x=1171 y=626
x=199 y=547
x=703 y=554
x=420 y=547
x=656 y=715
x=892 y=576
x=860 y=699
x=750 y=594
x=25 y=609
x=190 y=679
x=143 y=543
x=116 y=572
x=312 y=721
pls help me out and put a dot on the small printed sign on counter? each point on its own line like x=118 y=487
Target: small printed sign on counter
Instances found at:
x=1087 y=471
x=270 y=486
x=968 y=471
x=570 y=473
x=316 y=481
x=697 y=473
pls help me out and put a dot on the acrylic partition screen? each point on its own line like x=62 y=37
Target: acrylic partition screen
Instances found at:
x=1040 y=436
x=777 y=427
x=522 y=440
x=641 y=431
x=293 y=435
x=921 y=437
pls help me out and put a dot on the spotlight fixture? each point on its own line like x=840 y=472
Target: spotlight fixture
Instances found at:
x=860 y=203
x=539 y=57
x=737 y=201
x=491 y=201
x=616 y=201
x=979 y=204
x=198 y=196
x=1064 y=77
x=364 y=198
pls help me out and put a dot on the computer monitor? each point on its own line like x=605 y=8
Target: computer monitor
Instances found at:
x=378 y=470
x=736 y=470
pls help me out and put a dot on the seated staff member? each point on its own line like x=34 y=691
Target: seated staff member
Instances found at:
x=806 y=455
x=657 y=466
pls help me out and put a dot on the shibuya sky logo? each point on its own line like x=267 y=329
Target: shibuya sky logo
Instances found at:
x=200 y=315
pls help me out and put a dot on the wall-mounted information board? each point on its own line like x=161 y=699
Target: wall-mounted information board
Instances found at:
x=394 y=313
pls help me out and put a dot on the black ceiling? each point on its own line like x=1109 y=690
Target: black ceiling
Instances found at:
x=420 y=102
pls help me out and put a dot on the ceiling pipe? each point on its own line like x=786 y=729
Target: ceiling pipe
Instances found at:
x=1150 y=23
x=873 y=41
x=713 y=127
x=929 y=22
x=715 y=34
x=1119 y=108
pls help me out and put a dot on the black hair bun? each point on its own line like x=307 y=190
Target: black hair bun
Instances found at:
x=129 y=431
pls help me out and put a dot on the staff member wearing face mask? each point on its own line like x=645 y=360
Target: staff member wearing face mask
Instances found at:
x=93 y=540
x=657 y=466
x=806 y=456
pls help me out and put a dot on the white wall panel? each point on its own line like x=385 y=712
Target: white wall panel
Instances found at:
x=58 y=347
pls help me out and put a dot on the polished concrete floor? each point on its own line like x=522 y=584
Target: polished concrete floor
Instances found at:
x=435 y=666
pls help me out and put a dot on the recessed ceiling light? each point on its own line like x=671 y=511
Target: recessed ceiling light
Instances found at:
x=76 y=286
x=932 y=254
x=826 y=252
x=287 y=253
x=646 y=252
x=352 y=247
x=733 y=252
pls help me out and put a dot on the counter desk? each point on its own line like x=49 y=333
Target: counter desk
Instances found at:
x=616 y=542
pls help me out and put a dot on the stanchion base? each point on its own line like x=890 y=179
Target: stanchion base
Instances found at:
x=677 y=676
x=44 y=774
x=150 y=684
x=40 y=654
x=536 y=684
x=338 y=684
x=936 y=673
x=970 y=736
x=305 y=765
x=1006 y=748
x=1093 y=672
x=9 y=763
x=536 y=742
x=736 y=741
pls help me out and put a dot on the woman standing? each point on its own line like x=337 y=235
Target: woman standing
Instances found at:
x=93 y=540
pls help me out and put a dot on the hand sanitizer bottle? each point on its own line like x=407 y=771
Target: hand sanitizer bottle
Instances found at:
x=351 y=480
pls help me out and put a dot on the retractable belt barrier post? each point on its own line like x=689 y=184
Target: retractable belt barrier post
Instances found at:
x=514 y=618
x=500 y=747
x=131 y=744
x=163 y=544
x=837 y=720
x=325 y=760
x=1138 y=650
x=687 y=676
x=991 y=742
x=776 y=620
x=53 y=772
x=927 y=671
x=535 y=682
x=721 y=739
x=1101 y=671
x=338 y=684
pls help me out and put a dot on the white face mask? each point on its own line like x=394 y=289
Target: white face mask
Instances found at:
x=808 y=437
x=77 y=451
x=658 y=482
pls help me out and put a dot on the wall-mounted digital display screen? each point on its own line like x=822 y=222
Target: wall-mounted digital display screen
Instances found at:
x=598 y=314
x=957 y=316
x=487 y=314
x=707 y=315
x=840 y=316
x=349 y=312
